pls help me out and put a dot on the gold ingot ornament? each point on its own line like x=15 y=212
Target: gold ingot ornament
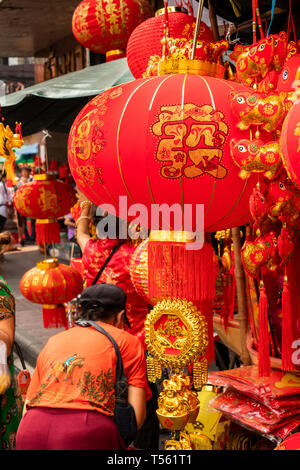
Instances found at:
x=177 y=403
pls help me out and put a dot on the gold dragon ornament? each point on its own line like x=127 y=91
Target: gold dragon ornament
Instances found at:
x=8 y=141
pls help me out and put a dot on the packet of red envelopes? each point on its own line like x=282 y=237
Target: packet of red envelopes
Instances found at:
x=281 y=389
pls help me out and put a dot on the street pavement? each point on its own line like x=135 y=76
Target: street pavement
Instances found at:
x=30 y=333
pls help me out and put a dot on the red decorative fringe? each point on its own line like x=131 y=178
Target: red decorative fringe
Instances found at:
x=264 y=362
x=287 y=328
x=55 y=317
x=47 y=233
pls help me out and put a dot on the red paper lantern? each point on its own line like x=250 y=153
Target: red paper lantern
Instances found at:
x=45 y=199
x=51 y=284
x=105 y=25
x=290 y=143
x=145 y=41
x=159 y=140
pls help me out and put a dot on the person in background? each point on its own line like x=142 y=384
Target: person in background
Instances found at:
x=10 y=397
x=71 y=397
x=5 y=200
x=71 y=225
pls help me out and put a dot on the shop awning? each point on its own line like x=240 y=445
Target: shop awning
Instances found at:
x=54 y=104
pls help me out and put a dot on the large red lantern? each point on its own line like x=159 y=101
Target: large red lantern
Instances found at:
x=159 y=140
x=145 y=41
x=45 y=199
x=105 y=25
x=290 y=143
x=51 y=284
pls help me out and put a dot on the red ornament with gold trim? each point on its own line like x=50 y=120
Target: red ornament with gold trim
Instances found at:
x=163 y=139
x=45 y=199
x=51 y=284
x=145 y=40
x=106 y=25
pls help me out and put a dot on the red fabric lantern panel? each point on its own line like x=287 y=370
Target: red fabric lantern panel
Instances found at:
x=105 y=25
x=161 y=140
x=51 y=284
x=145 y=41
x=290 y=143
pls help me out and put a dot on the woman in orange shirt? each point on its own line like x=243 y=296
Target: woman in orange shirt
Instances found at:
x=71 y=397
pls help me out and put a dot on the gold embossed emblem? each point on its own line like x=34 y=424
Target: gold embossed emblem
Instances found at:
x=176 y=333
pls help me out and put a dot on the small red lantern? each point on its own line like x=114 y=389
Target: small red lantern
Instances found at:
x=51 y=284
x=290 y=443
x=45 y=200
x=163 y=139
x=290 y=143
x=106 y=25
x=145 y=41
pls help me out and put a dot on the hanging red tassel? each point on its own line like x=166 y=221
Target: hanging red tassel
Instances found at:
x=287 y=329
x=54 y=316
x=264 y=363
x=47 y=231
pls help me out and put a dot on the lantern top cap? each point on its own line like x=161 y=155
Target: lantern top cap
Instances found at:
x=42 y=177
x=173 y=9
x=190 y=66
x=49 y=263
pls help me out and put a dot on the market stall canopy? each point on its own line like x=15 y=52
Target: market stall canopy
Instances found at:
x=54 y=104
